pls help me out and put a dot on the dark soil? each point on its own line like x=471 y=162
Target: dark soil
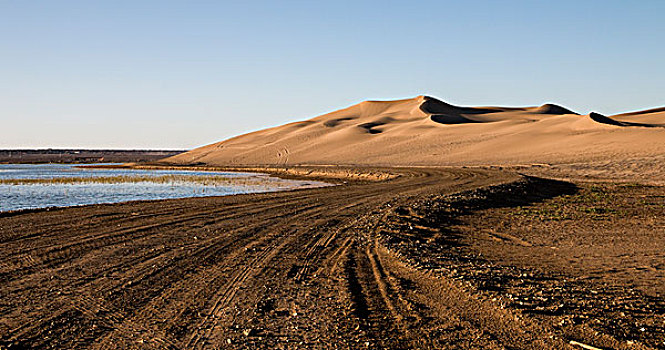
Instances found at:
x=435 y=259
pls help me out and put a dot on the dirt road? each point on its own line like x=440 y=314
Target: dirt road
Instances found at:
x=303 y=269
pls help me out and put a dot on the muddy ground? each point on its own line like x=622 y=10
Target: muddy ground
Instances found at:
x=434 y=259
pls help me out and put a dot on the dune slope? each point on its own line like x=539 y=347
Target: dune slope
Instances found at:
x=427 y=131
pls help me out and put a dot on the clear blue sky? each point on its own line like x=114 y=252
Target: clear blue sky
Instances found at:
x=179 y=74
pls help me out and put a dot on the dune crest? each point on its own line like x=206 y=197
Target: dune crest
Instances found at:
x=427 y=131
x=550 y=108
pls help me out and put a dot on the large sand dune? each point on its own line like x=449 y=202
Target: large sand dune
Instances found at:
x=426 y=131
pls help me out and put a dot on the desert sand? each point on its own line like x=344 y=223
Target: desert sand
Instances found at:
x=424 y=131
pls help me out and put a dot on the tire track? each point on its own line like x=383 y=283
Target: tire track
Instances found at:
x=179 y=273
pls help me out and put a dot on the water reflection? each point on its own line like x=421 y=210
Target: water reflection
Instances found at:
x=57 y=185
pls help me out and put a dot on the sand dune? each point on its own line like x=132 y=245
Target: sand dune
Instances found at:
x=651 y=117
x=427 y=131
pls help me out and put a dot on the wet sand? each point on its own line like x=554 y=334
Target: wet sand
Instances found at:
x=432 y=258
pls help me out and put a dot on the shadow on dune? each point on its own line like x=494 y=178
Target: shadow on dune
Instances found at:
x=445 y=113
x=334 y=122
x=434 y=106
x=369 y=127
x=451 y=119
x=599 y=118
x=647 y=111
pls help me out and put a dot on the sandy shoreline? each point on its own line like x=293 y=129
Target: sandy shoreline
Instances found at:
x=301 y=172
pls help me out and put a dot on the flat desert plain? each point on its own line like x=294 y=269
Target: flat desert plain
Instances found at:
x=449 y=228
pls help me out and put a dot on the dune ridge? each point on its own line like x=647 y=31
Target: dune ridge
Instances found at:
x=425 y=131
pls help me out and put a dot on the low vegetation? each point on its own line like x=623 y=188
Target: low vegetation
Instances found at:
x=596 y=202
x=206 y=180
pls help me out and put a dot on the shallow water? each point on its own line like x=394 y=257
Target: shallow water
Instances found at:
x=83 y=190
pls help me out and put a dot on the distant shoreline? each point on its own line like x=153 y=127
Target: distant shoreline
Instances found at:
x=78 y=156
